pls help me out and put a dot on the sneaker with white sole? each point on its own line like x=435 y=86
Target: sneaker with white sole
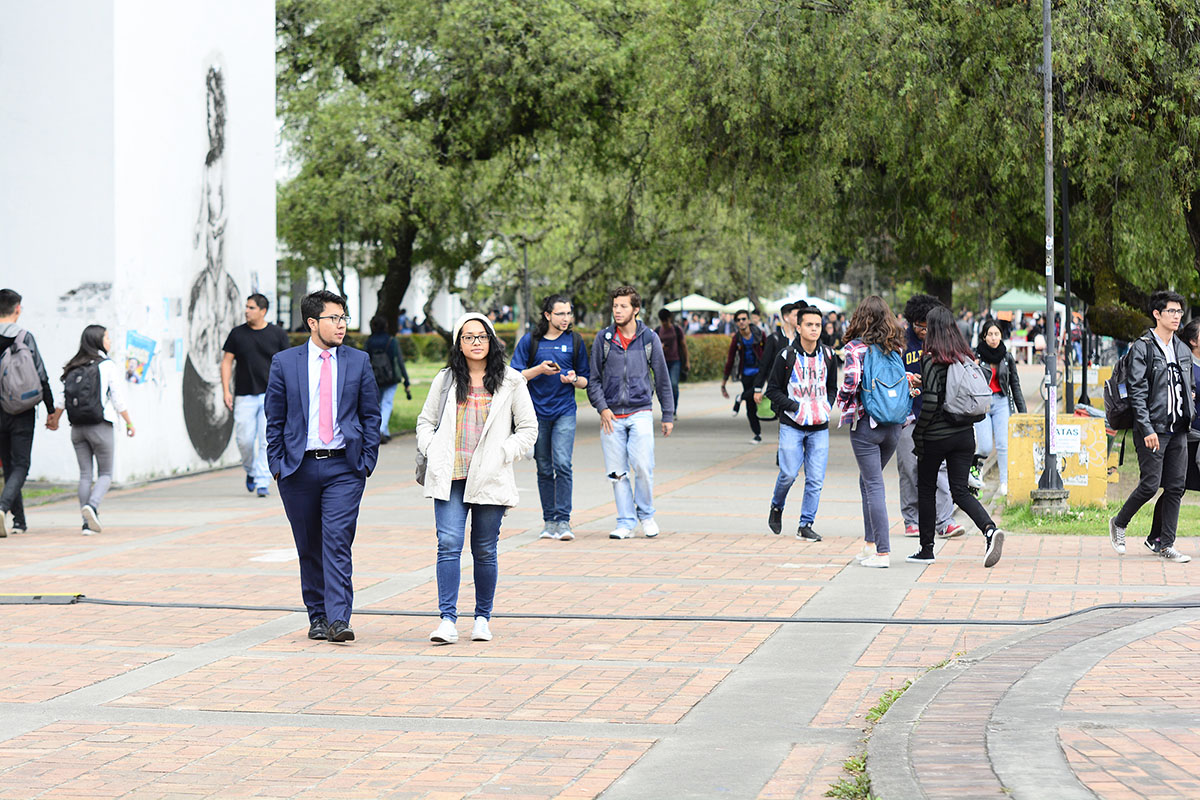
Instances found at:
x=952 y=530
x=564 y=532
x=1153 y=545
x=1171 y=554
x=922 y=557
x=868 y=551
x=480 y=632
x=1116 y=536
x=92 y=519
x=1003 y=491
x=995 y=546
x=755 y=440
x=878 y=561
x=445 y=633
x=911 y=530
x=5 y=524
x=549 y=531
x=621 y=533
x=649 y=528
x=975 y=479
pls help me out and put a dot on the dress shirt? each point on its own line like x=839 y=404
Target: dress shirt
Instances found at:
x=314 y=399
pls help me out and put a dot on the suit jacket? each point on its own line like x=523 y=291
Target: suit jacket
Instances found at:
x=286 y=405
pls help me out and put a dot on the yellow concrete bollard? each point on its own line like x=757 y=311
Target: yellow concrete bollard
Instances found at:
x=1081 y=444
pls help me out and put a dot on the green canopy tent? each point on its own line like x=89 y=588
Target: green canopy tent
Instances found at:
x=1021 y=300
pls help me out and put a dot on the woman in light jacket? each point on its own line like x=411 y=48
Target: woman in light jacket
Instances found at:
x=992 y=431
x=471 y=444
x=94 y=418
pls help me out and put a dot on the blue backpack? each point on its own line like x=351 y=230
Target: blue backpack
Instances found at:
x=884 y=387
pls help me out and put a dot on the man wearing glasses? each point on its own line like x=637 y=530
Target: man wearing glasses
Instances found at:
x=322 y=409
x=1161 y=399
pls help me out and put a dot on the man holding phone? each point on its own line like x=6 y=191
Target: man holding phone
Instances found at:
x=554 y=360
x=1163 y=407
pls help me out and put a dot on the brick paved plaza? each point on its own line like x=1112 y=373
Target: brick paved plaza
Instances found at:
x=108 y=701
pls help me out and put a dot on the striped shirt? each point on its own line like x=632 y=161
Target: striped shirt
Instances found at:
x=468 y=428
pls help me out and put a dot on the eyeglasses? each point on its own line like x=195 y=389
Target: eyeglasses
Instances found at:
x=1175 y=312
x=337 y=319
x=478 y=338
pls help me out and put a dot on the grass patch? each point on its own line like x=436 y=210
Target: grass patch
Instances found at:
x=856 y=785
x=877 y=711
x=1087 y=521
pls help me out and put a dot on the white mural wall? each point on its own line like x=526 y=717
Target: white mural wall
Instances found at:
x=137 y=192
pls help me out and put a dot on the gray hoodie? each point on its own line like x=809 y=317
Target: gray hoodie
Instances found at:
x=622 y=381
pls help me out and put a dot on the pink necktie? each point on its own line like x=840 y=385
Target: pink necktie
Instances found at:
x=325 y=400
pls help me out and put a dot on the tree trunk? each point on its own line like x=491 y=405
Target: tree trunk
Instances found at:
x=1110 y=312
x=939 y=287
x=398 y=276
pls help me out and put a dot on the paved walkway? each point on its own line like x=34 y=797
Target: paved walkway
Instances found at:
x=107 y=701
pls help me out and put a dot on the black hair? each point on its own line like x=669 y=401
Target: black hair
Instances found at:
x=944 y=342
x=548 y=304
x=260 y=300
x=313 y=304
x=664 y=315
x=1159 y=300
x=91 y=349
x=378 y=324
x=806 y=310
x=1191 y=332
x=493 y=374
x=9 y=300
x=990 y=322
x=918 y=306
x=635 y=299
x=739 y=312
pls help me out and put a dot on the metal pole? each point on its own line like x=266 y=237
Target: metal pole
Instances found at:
x=526 y=294
x=1068 y=347
x=1050 y=479
x=1086 y=334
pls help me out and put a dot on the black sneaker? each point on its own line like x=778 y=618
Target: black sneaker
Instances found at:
x=995 y=545
x=1153 y=545
x=808 y=534
x=922 y=557
x=775 y=520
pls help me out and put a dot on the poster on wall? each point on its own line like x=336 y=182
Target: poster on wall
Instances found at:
x=139 y=351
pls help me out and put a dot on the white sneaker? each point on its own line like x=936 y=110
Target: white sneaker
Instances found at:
x=621 y=533
x=445 y=633
x=879 y=561
x=481 y=632
x=1004 y=490
x=867 y=552
x=650 y=528
x=5 y=525
x=564 y=532
x=755 y=440
x=92 y=519
x=549 y=531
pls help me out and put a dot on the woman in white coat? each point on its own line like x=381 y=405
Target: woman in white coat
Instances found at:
x=470 y=445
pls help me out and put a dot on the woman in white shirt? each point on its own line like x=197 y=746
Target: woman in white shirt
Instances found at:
x=94 y=397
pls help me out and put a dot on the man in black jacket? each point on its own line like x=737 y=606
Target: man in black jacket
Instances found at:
x=1161 y=398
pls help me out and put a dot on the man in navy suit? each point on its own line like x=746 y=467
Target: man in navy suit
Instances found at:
x=322 y=409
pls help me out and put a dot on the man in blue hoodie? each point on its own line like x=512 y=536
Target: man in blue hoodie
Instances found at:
x=628 y=367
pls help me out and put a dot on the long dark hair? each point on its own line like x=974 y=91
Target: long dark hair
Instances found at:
x=874 y=323
x=944 y=342
x=543 y=324
x=494 y=370
x=91 y=349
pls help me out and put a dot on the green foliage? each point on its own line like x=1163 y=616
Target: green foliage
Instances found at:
x=706 y=356
x=857 y=786
x=877 y=711
x=1087 y=521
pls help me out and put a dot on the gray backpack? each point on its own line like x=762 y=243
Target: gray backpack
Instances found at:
x=20 y=384
x=968 y=396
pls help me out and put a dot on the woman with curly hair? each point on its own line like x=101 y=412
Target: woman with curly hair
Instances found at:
x=470 y=446
x=873 y=336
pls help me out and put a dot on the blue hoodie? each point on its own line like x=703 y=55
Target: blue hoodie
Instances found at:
x=623 y=383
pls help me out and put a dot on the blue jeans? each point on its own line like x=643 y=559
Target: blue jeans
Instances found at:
x=450 y=516
x=873 y=448
x=630 y=448
x=552 y=453
x=797 y=448
x=387 y=397
x=675 y=370
x=250 y=428
x=992 y=431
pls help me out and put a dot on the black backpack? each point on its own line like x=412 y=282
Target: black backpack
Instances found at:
x=383 y=366
x=1118 y=412
x=81 y=389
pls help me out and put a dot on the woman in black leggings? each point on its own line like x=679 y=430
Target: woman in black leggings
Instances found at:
x=937 y=438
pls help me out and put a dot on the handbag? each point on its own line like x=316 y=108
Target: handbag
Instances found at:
x=422 y=459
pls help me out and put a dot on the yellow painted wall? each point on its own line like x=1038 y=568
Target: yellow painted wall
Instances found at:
x=1084 y=474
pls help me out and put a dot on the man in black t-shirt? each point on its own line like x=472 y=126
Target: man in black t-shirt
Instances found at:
x=248 y=353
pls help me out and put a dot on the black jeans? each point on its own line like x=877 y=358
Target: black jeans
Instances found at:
x=958 y=451
x=1166 y=468
x=751 y=406
x=16 y=445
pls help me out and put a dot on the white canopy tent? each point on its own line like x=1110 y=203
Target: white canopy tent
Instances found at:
x=773 y=306
x=693 y=302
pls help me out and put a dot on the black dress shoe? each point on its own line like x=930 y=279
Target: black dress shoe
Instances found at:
x=319 y=629
x=340 y=632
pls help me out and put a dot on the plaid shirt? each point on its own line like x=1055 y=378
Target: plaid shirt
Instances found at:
x=468 y=428
x=847 y=396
